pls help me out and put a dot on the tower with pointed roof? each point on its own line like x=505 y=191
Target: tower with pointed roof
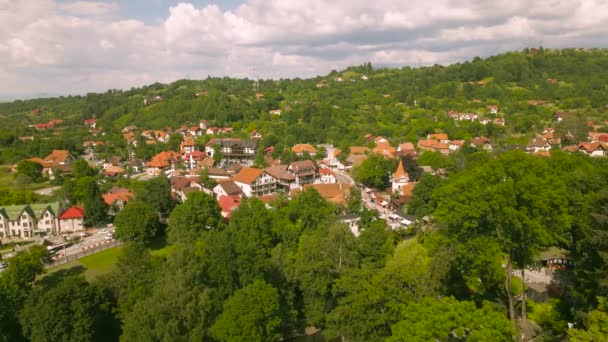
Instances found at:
x=400 y=178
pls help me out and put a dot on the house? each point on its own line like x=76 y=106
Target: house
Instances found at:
x=182 y=186
x=598 y=137
x=72 y=220
x=217 y=174
x=442 y=138
x=301 y=149
x=255 y=182
x=337 y=193
x=385 y=150
x=326 y=176
x=228 y=204
x=537 y=145
x=203 y=124
x=433 y=146
x=595 y=149
x=187 y=146
x=114 y=171
x=304 y=171
x=275 y=112
x=259 y=96
x=162 y=162
x=499 y=121
x=482 y=143
x=400 y=178
x=25 y=221
x=454 y=115
x=493 y=109
x=117 y=198
x=129 y=129
x=455 y=145
x=284 y=180
x=197 y=158
x=228 y=188
x=92 y=122
x=380 y=140
x=60 y=157
x=212 y=130
x=238 y=150
x=364 y=78
x=255 y=135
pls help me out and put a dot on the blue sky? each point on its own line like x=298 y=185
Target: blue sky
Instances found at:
x=78 y=46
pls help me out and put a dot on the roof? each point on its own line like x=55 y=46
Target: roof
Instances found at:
x=407 y=189
x=440 y=136
x=405 y=146
x=58 y=156
x=164 y=159
x=280 y=172
x=400 y=173
x=229 y=203
x=111 y=198
x=114 y=170
x=39 y=209
x=301 y=165
x=590 y=147
x=324 y=171
x=301 y=148
x=480 y=140
x=335 y=193
x=72 y=213
x=12 y=212
x=434 y=144
x=247 y=175
x=230 y=188
x=358 y=149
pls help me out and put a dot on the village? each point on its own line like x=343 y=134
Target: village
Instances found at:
x=225 y=168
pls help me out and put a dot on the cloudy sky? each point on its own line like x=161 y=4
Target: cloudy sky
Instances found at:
x=66 y=46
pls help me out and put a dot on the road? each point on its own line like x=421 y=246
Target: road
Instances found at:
x=47 y=191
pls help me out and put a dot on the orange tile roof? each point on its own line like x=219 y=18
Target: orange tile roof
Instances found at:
x=247 y=175
x=433 y=144
x=164 y=159
x=400 y=173
x=335 y=193
x=358 y=149
x=58 y=156
x=301 y=148
x=440 y=136
x=72 y=213
x=111 y=198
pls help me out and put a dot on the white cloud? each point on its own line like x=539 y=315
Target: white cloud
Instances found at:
x=80 y=46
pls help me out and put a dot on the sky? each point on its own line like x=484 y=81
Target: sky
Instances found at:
x=75 y=47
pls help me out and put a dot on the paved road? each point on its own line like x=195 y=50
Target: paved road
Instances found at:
x=47 y=191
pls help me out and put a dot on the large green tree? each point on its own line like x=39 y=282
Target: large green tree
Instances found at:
x=252 y=314
x=516 y=199
x=72 y=311
x=137 y=222
x=447 y=319
x=199 y=213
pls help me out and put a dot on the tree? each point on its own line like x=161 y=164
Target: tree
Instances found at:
x=375 y=171
x=88 y=192
x=199 y=213
x=205 y=180
x=217 y=153
x=515 y=199
x=375 y=243
x=157 y=193
x=15 y=286
x=596 y=325
x=29 y=169
x=137 y=222
x=422 y=201
x=80 y=168
x=72 y=311
x=252 y=314
x=447 y=319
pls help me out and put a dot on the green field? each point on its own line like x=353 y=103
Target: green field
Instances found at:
x=90 y=266
x=7 y=180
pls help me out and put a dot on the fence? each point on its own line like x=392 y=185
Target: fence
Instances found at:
x=88 y=250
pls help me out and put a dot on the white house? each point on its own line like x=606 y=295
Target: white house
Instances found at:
x=72 y=220
x=255 y=182
x=326 y=176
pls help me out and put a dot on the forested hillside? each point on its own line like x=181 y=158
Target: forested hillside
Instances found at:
x=340 y=108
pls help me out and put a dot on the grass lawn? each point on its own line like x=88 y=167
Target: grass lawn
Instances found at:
x=90 y=266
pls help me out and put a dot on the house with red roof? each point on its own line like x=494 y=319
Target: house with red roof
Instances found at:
x=72 y=220
x=228 y=204
x=326 y=176
x=400 y=178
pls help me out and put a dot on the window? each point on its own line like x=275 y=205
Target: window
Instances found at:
x=24 y=217
x=47 y=222
x=24 y=224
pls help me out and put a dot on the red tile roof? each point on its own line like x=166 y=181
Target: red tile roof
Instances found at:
x=247 y=175
x=72 y=213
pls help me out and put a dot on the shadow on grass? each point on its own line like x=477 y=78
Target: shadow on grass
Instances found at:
x=53 y=279
x=159 y=242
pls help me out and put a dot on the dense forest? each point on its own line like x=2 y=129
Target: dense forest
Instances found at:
x=282 y=270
